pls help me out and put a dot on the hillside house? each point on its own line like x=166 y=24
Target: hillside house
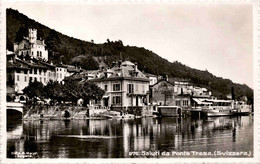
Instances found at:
x=29 y=63
x=30 y=46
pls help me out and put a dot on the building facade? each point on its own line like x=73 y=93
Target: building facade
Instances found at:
x=30 y=46
x=29 y=63
x=126 y=87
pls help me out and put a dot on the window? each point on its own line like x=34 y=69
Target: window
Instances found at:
x=178 y=102
x=17 y=77
x=44 y=80
x=60 y=69
x=49 y=74
x=116 y=87
x=25 y=79
x=117 y=100
x=37 y=53
x=32 y=53
x=40 y=72
x=35 y=79
x=185 y=102
x=60 y=75
x=130 y=88
x=35 y=71
x=40 y=54
x=105 y=86
x=30 y=79
x=30 y=71
x=40 y=79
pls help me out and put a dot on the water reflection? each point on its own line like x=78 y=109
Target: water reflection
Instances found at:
x=116 y=138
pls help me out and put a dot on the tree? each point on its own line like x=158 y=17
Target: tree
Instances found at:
x=90 y=91
x=34 y=90
x=86 y=62
x=87 y=91
x=53 y=90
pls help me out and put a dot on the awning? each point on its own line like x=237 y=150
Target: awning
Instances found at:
x=198 y=101
x=105 y=97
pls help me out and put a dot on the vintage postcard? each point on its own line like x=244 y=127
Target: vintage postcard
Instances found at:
x=129 y=82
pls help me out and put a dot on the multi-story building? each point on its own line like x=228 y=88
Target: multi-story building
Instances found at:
x=28 y=63
x=163 y=93
x=21 y=72
x=126 y=87
x=61 y=72
x=30 y=46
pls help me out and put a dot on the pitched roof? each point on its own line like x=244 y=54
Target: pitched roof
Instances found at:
x=16 y=64
x=126 y=71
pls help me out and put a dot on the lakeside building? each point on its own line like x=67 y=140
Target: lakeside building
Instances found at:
x=176 y=93
x=29 y=63
x=20 y=72
x=162 y=93
x=127 y=88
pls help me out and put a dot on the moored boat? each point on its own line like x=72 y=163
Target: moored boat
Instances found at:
x=219 y=108
x=240 y=108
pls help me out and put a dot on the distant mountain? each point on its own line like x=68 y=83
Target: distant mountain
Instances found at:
x=88 y=55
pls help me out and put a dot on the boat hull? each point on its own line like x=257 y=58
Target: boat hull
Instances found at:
x=212 y=114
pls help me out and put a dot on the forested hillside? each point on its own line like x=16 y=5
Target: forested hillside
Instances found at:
x=74 y=51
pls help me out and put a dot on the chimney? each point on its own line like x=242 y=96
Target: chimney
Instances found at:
x=135 y=66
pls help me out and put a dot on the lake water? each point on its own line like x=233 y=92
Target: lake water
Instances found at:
x=138 y=138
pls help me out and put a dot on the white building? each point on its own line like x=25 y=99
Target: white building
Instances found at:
x=126 y=87
x=28 y=63
x=30 y=46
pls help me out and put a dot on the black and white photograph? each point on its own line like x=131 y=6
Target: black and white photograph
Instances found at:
x=132 y=81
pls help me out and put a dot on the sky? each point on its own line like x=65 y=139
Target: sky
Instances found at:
x=216 y=37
